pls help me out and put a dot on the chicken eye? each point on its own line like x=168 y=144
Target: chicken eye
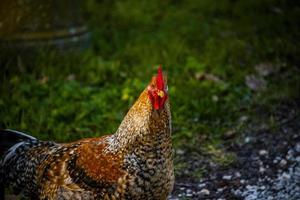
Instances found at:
x=161 y=93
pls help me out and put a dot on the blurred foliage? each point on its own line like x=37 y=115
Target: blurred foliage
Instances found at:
x=206 y=47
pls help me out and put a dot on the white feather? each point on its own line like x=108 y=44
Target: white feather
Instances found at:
x=11 y=151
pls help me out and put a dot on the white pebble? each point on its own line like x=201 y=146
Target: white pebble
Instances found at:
x=189 y=191
x=238 y=174
x=263 y=152
x=297 y=148
x=226 y=177
x=263 y=187
x=286 y=176
x=262 y=169
x=247 y=139
x=189 y=195
x=282 y=163
x=201 y=185
x=220 y=190
x=204 y=192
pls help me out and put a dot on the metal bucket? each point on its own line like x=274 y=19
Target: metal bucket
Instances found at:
x=34 y=23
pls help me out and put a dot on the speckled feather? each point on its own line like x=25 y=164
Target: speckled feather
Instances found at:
x=134 y=163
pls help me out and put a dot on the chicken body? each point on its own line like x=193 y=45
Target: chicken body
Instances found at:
x=134 y=163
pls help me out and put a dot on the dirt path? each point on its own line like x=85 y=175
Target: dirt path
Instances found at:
x=267 y=166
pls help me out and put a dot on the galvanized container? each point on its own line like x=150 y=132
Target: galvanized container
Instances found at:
x=34 y=23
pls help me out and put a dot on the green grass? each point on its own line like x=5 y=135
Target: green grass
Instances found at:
x=71 y=95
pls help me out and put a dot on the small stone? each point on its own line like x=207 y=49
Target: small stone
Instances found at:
x=237 y=174
x=204 y=192
x=290 y=152
x=282 y=163
x=247 y=139
x=277 y=159
x=189 y=195
x=263 y=187
x=263 y=152
x=297 y=147
x=202 y=185
x=298 y=159
x=289 y=157
x=220 y=190
x=249 y=187
x=172 y=198
x=227 y=177
x=262 y=169
x=238 y=192
x=189 y=191
x=267 y=166
x=286 y=176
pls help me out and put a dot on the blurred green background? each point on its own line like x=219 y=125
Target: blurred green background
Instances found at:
x=223 y=59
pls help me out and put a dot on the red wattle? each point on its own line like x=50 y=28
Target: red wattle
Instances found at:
x=156 y=102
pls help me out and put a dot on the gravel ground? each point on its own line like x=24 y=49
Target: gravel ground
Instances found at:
x=267 y=166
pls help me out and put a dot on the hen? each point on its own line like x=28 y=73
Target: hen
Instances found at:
x=134 y=163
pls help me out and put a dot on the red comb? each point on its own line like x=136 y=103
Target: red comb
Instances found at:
x=160 y=79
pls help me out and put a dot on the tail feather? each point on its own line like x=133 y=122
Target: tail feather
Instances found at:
x=22 y=154
x=8 y=138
